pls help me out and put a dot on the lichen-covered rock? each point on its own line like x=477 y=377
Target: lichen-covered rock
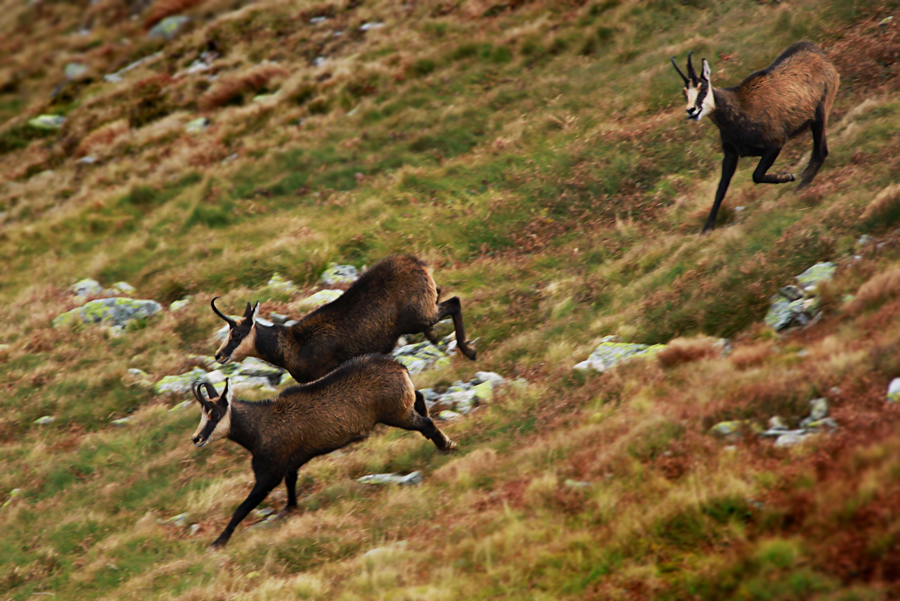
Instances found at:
x=317 y=300
x=489 y=376
x=483 y=392
x=13 y=494
x=407 y=480
x=815 y=275
x=448 y=415
x=168 y=28
x=113 y=312
x=251 y=366
x=178 y=305
x=75 y=71
x=121 y=422
x=789 y=439
x=181 y=384
x=338 y=275
x=893 y=393
x=610 y=354
x=197 y=126
x=281 y=284
x=818 y=411
x=45 y=420
x=421 y=356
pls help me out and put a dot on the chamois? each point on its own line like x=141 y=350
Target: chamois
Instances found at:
x=395 y=296
x=309 y=420
x=757 y=117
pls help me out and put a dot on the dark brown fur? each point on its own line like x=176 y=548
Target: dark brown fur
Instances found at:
x=396 y=296
x=313 y=419
x=757 y=118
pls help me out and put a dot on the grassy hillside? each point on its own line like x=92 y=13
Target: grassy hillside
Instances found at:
x=536 y=155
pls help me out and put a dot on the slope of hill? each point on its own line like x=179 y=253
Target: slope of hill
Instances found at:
x=535 y=154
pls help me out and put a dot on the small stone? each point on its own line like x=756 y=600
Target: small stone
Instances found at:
x=119 y=423
x=317 y=20
x=168 y=28
x=179 y=520
x=818 y=409
x=821 y=424
x=197 y=125
x=790 y=439
x=408 y=480
x=609 y=354
x=489 y=376
x=893 y=394
x=195 y=528
x=281 y=284
x=776 y=433
x=43 y=421
x=461 y=402
x=86 y=160
x=370 y=26
x=728 y=429
x=577 y=484
x=75 y=71
x=86 y=287
x=776 y=423
x=448 y=415
x=117 y=311
x=338 y=275
x=178 y=305
x=251 y=366
x=47 y=122
x=137 y=378
x=181 y=384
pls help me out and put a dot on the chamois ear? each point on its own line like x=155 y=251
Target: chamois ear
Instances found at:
x=255 y=312
x=248 y=312
x=706 y=71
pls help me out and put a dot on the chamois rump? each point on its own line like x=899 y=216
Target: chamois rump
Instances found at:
x=396 y=296
x=757 y=117
x=309 y=420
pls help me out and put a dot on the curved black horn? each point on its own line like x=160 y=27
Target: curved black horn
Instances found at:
x=195 y=388
x=691 y=73
x=674 y=64
x=227 y=319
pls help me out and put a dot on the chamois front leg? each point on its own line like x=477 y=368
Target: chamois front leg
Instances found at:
x=452 y=307
x=761 y=175
x=265 y=482
x=729 y=165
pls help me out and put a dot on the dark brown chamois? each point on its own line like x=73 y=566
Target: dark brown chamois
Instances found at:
x=309 y=420
x=395 y=296
x=757 y=117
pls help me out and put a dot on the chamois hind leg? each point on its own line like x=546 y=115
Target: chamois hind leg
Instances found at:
x=820 y=148
x=760 y=175
x=452 y=307
x=414 y=420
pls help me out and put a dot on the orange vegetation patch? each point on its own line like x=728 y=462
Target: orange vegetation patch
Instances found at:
x=166 y=8
x=230 y=88
x=687 y=350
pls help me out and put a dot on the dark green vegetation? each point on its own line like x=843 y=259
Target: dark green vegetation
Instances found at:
x=536 y=155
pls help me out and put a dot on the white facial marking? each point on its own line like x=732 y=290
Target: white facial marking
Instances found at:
x=247 y=347
x=223 y=428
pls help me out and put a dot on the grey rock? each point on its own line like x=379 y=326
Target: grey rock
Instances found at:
x=448 y=415
x=46 y=420
x=251 y=366
x=727 y=429
x=569 y=483
x=420 y=357
x=407 y=480
x=181 y=384
x=122 y=422
x=371 y=25
x=775 y=433
x=338 y=275
x=118 y=75
x=821 y=424
x=197 y=125
x=137 y=378
x=178 y=305
x=179 y=520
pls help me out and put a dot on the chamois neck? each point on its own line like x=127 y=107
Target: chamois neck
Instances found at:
x=269 y=343
x=726 y=110
x=246 y=423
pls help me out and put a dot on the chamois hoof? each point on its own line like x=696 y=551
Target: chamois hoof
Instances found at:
x=216 y=545
x=470 y=354
x=451 y=447
x=285 y=513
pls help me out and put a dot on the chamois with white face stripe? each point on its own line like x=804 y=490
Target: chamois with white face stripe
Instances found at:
x=757 y=117
x=396 y=296
x=309 y=420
